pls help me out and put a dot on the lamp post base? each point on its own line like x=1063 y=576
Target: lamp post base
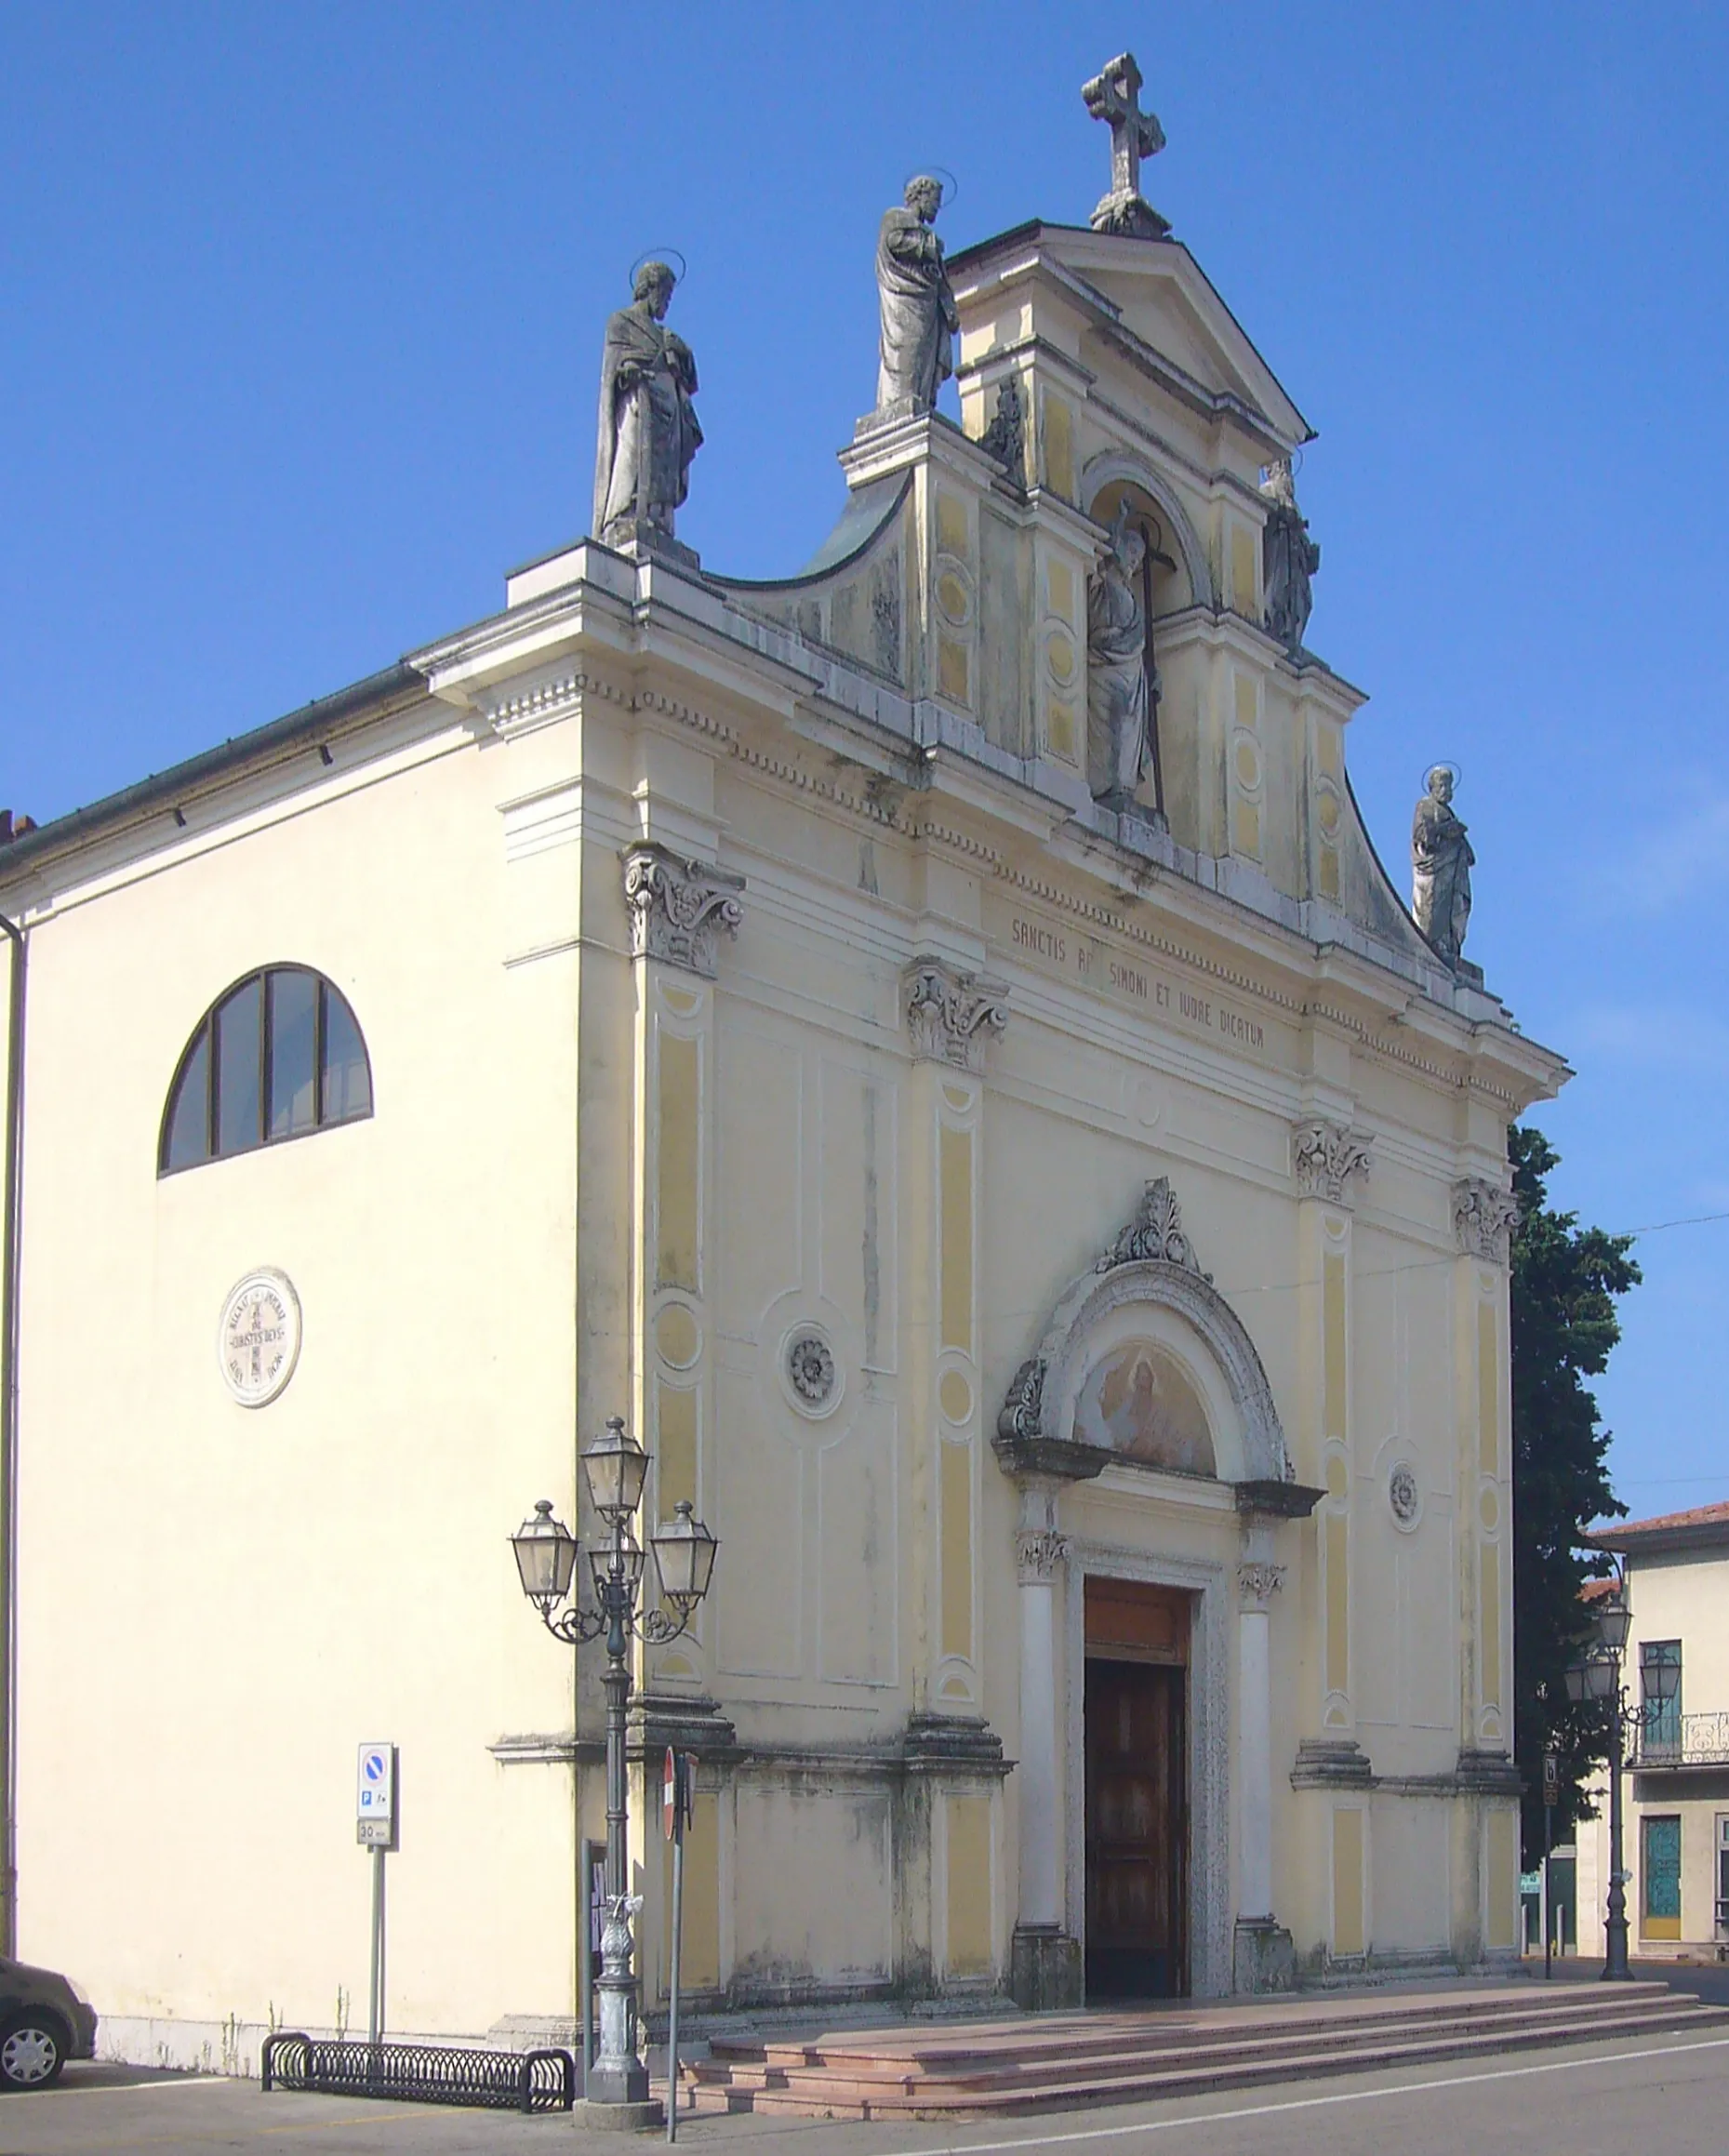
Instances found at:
x=634 y=2118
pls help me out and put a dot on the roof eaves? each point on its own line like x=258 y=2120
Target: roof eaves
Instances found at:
x=378 y=693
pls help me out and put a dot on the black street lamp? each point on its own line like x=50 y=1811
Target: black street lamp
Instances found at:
x=1595 y=1678
x=616 y=1468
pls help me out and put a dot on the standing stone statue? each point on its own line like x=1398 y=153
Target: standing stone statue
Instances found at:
x=1440 y=866
x=915 y=354
x=647 y=432
x=1289 y=558
x=1121 y=694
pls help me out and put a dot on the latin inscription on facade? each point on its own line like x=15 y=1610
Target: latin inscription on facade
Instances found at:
x=1090 y=963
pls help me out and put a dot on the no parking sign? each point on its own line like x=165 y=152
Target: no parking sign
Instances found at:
x=375 y=1796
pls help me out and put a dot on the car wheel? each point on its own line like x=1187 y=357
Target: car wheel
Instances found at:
x=32 y=2050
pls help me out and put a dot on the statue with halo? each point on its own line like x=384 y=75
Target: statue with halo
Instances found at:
x=1440 y=865
x=916 y=353
x=647 y=432
x=1289 y=558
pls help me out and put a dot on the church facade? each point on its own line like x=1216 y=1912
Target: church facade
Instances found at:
x=1031 y=1186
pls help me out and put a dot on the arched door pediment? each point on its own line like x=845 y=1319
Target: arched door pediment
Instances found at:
x=1147 y=1285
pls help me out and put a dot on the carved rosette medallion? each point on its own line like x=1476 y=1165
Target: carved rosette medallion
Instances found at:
x=952 y=1016
x=1038 y=1552
x=678 y=908
x=1155 y=1231
x=1404 y=1495
x=1483 y=1217
x=1327 y=1158
x=810 y=1368
x=1256 y=1584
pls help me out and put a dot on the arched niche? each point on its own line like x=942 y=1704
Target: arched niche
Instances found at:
x=1148 y=1296
x=1179 y=575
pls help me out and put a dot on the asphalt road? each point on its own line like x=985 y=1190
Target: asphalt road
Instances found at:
x=1668 y=2094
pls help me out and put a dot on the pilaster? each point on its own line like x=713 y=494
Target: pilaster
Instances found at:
x=1485 y=1823
x=1330 y=1163
x=952 y=1825
x=679 y=910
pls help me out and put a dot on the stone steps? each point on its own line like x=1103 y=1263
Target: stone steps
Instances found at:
x=1052 y=2062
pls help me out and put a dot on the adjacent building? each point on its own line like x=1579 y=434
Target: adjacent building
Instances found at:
x=1676 y=1825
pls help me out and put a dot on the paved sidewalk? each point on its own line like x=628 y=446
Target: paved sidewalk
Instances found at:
x=1666 y=2095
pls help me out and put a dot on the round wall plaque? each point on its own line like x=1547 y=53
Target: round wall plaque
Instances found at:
x=810 y=1368
x=258 y=1342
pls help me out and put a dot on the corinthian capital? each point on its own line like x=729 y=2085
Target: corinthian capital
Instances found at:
x=1256 y=1584
x=1484 y=1215
x=952 y=1016
x=678 y=908
x=1327 y=1157
x=1038 y=1552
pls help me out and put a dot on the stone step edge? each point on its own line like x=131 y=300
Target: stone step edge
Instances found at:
x=946 y=2062
x=1190 y=2023
x=836 y=2098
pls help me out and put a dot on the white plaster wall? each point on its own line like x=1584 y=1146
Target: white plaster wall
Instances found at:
x=216 y=1605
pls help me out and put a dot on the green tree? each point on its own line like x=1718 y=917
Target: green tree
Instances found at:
x=1565 y=1280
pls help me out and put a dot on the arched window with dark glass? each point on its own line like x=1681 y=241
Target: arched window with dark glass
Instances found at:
x=279 y=1055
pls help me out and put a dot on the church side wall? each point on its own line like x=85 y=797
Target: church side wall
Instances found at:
x=217 y=1605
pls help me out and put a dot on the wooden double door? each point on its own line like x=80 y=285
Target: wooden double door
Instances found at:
x=1137 y=1829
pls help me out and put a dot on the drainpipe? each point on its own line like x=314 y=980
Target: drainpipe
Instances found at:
x=8 y=1444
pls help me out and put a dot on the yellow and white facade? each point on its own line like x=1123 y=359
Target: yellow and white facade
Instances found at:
x=979 y=1205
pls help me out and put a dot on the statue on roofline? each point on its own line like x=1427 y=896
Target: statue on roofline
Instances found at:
x=915 y=352
x=1122 y=688
x=1289 y=558
x=647 y=432
x=1440 y=866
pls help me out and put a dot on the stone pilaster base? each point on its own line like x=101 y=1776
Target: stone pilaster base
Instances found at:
x=1045 y=1969
x=1262 y=1957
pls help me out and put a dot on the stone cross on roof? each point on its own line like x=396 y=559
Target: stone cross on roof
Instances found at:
x=1114 y=94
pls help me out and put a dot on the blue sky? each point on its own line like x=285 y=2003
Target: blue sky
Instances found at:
x=300 y=320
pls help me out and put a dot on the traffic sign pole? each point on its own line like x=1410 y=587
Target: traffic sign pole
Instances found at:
x=375 y=1809
x=375 y=2009
x=1552 y=1790
x=674 y=1805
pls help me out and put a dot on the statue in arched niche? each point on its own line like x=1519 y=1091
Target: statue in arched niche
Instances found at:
x=1122 y=683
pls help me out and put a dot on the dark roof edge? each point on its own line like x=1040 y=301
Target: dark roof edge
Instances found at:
x=864 y=511
x=366 y=699
x=1637 y=1541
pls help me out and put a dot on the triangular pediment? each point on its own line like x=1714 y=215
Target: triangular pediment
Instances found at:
x=1145 y=306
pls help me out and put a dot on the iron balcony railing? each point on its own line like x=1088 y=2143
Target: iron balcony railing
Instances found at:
x=421 y=2073
x=1686 y=1740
